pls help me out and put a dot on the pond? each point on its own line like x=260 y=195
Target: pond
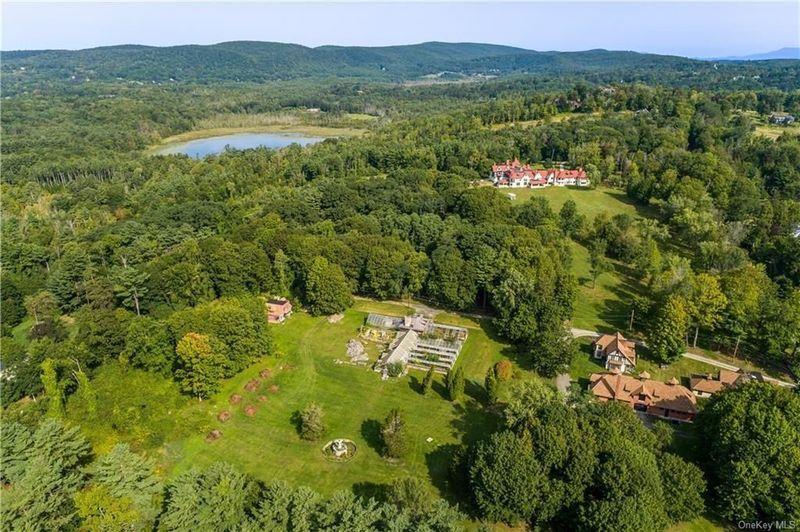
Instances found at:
x=241 y=141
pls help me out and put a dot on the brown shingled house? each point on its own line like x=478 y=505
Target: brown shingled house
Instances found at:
x=667 y=400
x=708 y=385
x=619 y=353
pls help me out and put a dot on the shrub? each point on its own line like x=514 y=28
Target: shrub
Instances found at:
x=503 y=370
x=395 y=369
x=312 y=426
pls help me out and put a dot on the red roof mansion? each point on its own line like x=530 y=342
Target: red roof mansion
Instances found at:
x=514 y=174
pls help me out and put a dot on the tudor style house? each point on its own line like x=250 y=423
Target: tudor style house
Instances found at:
x=619 y=354
x=666 y=400
x=513 y=174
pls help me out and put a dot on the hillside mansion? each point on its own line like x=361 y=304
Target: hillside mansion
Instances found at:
x=513 y=174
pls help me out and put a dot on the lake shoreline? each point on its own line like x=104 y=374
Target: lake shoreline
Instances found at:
x=286 y=129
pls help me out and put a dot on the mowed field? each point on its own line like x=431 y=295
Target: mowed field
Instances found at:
x=354 y=400
x=590 y=201
x=604 y=305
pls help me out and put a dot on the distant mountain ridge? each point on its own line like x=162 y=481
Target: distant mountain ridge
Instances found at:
x=788 y=52
x=255 y=61
x=259 y=61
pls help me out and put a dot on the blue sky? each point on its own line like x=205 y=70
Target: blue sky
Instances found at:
x=685 y=28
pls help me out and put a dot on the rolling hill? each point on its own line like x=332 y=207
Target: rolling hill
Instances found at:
x=250 y=61
x=261 y=61
x=783 y=53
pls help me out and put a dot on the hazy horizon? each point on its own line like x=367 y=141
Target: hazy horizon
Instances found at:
x=712 y=29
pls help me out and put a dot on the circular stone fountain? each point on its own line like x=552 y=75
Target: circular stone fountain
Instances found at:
x=339 y=450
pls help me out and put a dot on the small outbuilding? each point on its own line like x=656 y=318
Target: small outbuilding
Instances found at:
x=278 y=310
x=781 y=119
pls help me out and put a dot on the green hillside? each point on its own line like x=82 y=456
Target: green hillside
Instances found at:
x=266 y=61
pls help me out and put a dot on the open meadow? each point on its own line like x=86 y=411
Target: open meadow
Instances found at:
x=355 y=402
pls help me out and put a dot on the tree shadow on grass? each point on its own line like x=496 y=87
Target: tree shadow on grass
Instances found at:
x=439 y=463
x=371 y=432
x=475 y=391
x=297 y=421
x=415 y=384
x=441 y=390
x=472 y=422
x=371 y=490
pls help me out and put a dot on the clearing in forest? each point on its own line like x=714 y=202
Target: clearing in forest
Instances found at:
x=354 y=401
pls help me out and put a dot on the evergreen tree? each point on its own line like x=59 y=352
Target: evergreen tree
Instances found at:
x=44 y=476
x=344 y=511
x=427 y=381
x=492 y=386
x=282 y=507
x=15 y=440
x=126 y=477
x=43 y=308
x=455 y=383
x=130 y=285
x=216 y=498
x=393 y=431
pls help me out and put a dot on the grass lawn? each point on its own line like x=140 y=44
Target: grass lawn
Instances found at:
x=605 y=305
x=701 y=524
x=773 y=131
x=20 y=332
x=355 y=401
x=591 y=201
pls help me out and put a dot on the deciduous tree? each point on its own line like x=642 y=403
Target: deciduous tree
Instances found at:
x=327 y=291
x=667 y=334
x=201 y=364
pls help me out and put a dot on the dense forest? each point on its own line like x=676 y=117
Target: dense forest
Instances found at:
x=264 y=61
x=119 y=266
